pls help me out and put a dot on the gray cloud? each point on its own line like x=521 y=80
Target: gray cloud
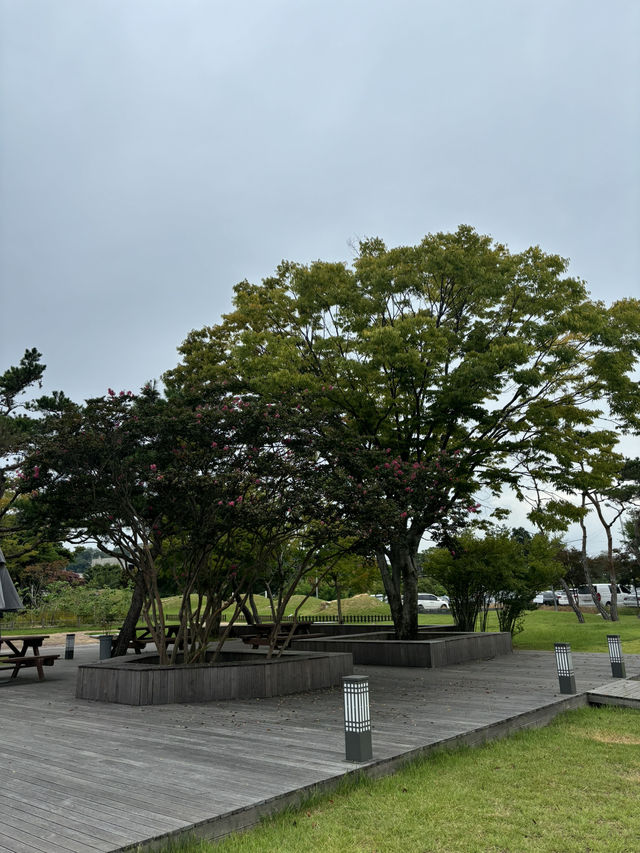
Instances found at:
x=155 y=153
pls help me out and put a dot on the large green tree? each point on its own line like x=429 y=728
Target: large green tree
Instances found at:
x=439 y=369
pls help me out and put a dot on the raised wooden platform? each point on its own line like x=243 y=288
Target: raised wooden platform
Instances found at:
x=623 y=692
x=433 y=648
x=85 y=776
x=239 y=674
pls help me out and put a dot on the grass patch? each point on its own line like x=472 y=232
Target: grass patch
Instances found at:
x=572 y=786
x=543 y=628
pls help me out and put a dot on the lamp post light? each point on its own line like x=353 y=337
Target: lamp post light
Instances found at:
x=615 y=656
x=564 y=664
x=357 y=719
x=69 y=646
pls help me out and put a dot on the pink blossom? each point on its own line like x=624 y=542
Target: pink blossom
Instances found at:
x=153 y=467
x=36 y=471
x=232 y=503
x=111 y=392
x=403 y=515
x=214 y=444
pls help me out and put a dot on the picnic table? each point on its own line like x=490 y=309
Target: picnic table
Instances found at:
x=262 y=633
x=143 y=636
x=25 y=651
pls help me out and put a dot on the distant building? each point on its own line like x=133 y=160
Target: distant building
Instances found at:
x=105 y=561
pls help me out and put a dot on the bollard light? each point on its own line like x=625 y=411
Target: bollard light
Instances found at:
x=69 y=646
x=357 y=719
x=564 y=664
x=615 y=656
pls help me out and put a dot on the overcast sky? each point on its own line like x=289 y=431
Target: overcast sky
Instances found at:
x=156 y=152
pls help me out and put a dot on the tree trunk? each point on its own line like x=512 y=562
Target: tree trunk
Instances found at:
x=602 y=610
x=242 y=607
x=596 y=501
x=128 y=629
x=338 y=600
x=574 y=604
x=612 y=577
x=254 y=609
x=400 y=577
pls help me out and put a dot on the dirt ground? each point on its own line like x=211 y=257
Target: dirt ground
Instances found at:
x=82 y=639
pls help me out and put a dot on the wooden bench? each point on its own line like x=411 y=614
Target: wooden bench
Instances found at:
x=39 y=661
x=263 y=640
x=139 y=642
x=137 y=645
x=254 y=642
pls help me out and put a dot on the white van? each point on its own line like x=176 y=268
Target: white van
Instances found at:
x=585 y=599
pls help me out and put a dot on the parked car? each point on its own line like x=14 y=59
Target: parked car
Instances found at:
x=603 y=593
x=630 y=597
x=427 y=601
x=547 y=598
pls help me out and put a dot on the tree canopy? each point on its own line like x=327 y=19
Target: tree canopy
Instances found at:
x=428 y=372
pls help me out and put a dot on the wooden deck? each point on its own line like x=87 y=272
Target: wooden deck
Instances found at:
x=85 y=777
x=623 y=692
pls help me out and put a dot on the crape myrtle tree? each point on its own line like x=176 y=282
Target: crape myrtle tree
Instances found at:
x=88 y=472
x=129 y=473
x=428 y=372
x=291 y=519
x=208 y=486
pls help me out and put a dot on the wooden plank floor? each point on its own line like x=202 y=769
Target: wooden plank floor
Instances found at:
x=623 y=692
x=85 y=777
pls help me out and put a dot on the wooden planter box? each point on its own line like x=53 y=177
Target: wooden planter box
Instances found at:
x=238 y=674
x=433 y=649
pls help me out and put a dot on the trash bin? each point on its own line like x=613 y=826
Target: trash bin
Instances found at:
x=105 y=646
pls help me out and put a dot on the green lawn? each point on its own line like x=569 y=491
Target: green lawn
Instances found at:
x=542 y=628
x=571 y=787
